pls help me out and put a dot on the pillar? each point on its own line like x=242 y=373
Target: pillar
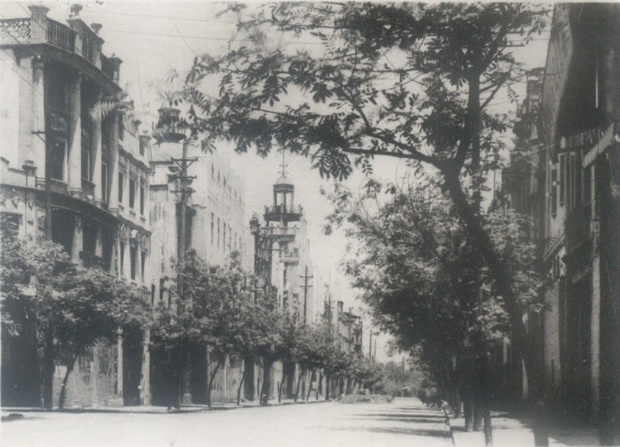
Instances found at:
x=145 y=381
x=113 y=139
x=119 y=364
x=595 y=317
x=38 y=116
x=75 y=137
x=78 y=240
x=97 y=151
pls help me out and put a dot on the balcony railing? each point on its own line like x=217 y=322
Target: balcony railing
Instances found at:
x=280 y=232
x=46 y=30
x=60 y=35
x=15 y=30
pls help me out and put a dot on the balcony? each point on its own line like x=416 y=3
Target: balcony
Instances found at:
x=291 y=257
x=41 y=29
x=60 y=35
x=279 y=213
x=280 y=233
x=58 y=121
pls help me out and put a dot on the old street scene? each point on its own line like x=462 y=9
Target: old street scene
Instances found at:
x=309 y=223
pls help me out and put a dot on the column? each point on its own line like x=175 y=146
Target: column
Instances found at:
x=119 y=365
x=595 y=317
x=75 y=137
x=97 y=150
x=113 y=148
x=145 y=382
x=38 y=117
x=77 y=240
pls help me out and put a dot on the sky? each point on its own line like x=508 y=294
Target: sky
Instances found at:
x=152 y=37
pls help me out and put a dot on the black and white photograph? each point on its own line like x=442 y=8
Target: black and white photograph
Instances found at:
x=309 y=223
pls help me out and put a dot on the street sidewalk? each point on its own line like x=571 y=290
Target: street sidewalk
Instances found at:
x=151 y=409
x=516 y=432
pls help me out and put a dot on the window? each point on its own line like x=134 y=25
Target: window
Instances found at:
x=212 y=227
x=121 y=128
x=56 y=159
x=212 y=170
x=563 y=177
x=121 y=186
x=104 y=181
x=86 y=163
x=218 y=232
x=142 y=196
x=554 y=192
x=152 y=294
x=133 y=253
x=132 y=193
x=142 y=265
x=224 y=238
x=229 y=238
x=122 y=258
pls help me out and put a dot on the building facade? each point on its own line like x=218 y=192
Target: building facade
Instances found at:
x=66 y=143
x=571 y=142
x=215 y=227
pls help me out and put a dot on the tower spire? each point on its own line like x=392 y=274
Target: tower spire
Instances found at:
x=284 y=164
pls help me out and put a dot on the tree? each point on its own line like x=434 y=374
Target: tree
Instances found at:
x=215 y=313
x=27 y=276
x=413 y=81
x=72 y=307
x=90 y=305
x=414 y=264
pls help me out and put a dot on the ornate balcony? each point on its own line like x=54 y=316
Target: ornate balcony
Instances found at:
x=58 y=120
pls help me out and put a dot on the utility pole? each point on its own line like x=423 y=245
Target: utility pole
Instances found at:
x=306 y=286
x=183 y=192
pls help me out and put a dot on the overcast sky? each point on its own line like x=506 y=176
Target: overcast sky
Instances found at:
x=151 y=37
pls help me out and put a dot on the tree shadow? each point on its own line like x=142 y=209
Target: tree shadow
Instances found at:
x=398 y=431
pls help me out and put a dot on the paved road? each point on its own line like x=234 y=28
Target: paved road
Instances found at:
x=402 y=423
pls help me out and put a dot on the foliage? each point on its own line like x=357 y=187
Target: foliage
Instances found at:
x=73 y=307
x=409 y=80
x=413 y=261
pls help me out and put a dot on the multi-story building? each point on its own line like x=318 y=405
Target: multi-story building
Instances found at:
x=573 y=140
x=73 y=170
x=216 y=226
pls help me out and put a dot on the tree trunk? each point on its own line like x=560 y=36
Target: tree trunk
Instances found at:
x=327 y=380
x=312 y=374
x=264 y=395
x=523 y=344
x=319 y=385
x=212 y=378
x=240 y=387
x=301 y=372
x=63 y=389
x=47 y=367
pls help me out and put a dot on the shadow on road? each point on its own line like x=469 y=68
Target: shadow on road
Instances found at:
x=421 y=422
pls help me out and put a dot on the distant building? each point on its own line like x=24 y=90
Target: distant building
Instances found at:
x=216 y=226
x=73 y=169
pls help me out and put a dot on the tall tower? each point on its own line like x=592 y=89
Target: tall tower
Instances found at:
x=283 y=210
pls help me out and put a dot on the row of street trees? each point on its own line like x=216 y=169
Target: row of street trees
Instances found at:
x=222 y=313
x=416 y=267
x=419 y=82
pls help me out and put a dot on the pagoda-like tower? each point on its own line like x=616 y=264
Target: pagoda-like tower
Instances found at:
x=283 y=209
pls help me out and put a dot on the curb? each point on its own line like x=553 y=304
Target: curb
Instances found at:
x=17 y=413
